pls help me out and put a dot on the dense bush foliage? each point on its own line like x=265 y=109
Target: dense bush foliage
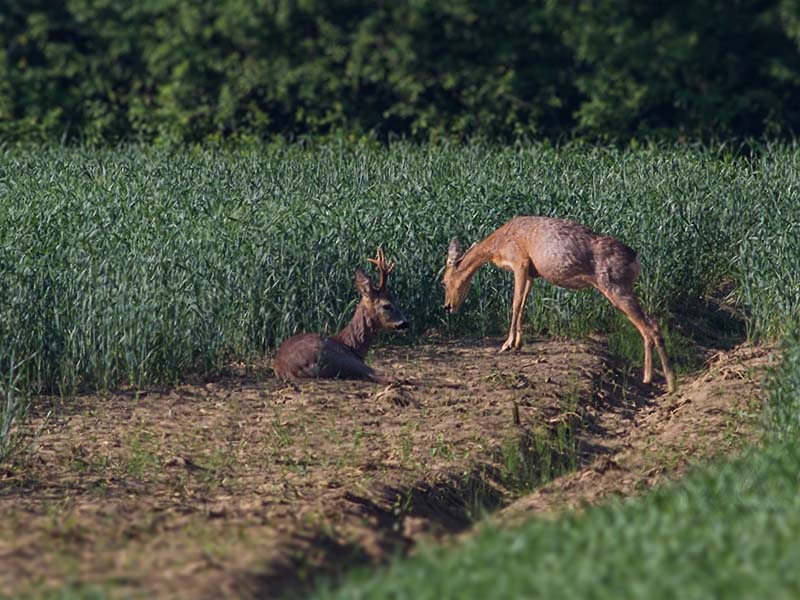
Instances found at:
x=174 y=70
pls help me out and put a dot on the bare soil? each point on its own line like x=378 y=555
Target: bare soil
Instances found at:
x=714 y=414
x=246 y=486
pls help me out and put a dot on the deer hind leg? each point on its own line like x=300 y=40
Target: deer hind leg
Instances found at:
x=658 y=339
x=522 y=287
x=626 y=301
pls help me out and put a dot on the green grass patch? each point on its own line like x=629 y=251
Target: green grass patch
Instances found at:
x=539 y=455
x=75 y=591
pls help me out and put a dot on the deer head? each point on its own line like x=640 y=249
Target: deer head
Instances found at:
x=376 y=299
x=456 y=284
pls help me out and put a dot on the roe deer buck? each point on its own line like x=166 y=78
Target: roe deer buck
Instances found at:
x=342 y=356
x=566 y=254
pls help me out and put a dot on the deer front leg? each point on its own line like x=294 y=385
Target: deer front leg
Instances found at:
x=518 y=325
x=521 y=290
x=648 y=360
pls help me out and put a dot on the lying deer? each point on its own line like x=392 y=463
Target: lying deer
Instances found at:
x=342 y=356
x=566 y=254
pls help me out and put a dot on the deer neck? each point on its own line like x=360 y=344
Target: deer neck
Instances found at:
x=359 y=332
x=473 y=259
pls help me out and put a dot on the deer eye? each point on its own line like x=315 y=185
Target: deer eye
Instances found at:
x=387 y=306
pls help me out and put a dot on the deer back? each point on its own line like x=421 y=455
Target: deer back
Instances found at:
x=569 y=254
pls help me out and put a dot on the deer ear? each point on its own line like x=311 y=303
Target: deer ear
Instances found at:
x=363 y=283
x=452 y=253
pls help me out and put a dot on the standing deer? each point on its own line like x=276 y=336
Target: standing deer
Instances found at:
x=342 y=356
x=566 y=254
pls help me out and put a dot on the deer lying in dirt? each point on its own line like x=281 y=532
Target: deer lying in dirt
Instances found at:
x=566 y=254
x=342 y=355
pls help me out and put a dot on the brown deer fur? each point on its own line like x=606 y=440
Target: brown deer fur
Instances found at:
x=566 y=254
x=342 y=356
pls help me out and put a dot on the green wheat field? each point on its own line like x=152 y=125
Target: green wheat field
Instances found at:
x=135 y=265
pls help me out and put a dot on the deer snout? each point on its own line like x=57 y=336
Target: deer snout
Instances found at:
x=402 y=325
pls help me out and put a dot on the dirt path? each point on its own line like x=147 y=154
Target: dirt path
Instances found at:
x=246 y=486
x=715 y=413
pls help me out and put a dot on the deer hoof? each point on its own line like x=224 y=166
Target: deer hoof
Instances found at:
x=672 y=385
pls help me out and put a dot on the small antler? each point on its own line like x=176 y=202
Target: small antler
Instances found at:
x=384 y=268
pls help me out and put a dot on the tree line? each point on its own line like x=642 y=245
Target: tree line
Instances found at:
x=100 y=71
